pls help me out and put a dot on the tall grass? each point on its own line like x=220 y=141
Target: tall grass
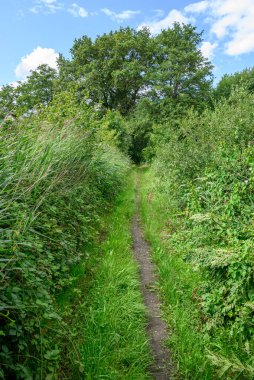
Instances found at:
x=55 y=183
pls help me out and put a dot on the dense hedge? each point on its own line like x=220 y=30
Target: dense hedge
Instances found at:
x=206 y=169
x=59 y=173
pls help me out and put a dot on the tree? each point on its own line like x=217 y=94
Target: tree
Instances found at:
x=120 y=68
x=182 y=75
x=113 y=68
x=67 y=76
x=229 y=82
x=38 y=89
x=7 y=100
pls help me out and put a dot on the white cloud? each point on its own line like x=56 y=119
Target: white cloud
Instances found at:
x=159 y=12
x=167 y=22
x=78 y=11
x=119 y=17
x=46 y=6
x=241 y=43
x=35 y=9
x=199 y=7
x=207 y=49
x=38 y=57
x=53 y=6
x=231 y=21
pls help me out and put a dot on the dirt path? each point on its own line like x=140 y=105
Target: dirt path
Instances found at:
x=157 y=330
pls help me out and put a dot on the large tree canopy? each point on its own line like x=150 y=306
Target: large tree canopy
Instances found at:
x=113 y=68
x=117 y=69
x=182 y=74
x=120 y=67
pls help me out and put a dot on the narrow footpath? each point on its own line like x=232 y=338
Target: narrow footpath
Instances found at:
x=162 y=368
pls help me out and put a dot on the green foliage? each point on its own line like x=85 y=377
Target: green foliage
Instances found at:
x=205 y=169
x=139 y=126
x=183 y=74
x=37 y=90
x=115 y=343
x=61 y=168
x=116 y=124
x=177 y=281
x=113 y=68
x=56 y=181
x=121 y=67
x=229 y=82
x=7 y=101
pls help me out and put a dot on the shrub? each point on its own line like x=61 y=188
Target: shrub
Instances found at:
x=57 y=178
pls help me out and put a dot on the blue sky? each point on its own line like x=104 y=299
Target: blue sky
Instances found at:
x=35 y=31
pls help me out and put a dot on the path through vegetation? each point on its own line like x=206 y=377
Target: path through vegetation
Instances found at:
x=157 y=330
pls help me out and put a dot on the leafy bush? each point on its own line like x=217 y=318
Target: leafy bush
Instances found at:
x=206 y=169
x=57 y=177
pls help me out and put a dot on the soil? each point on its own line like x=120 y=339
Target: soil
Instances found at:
x=162 y=368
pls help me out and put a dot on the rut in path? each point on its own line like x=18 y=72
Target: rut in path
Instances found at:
x=162 y=368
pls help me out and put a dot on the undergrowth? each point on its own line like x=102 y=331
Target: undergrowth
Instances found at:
x=203 y=185
x=59 y=175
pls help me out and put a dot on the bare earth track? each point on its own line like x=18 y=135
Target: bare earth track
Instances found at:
x=162 y=368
